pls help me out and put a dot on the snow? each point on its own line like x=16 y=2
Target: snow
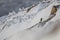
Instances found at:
x=36 y=33
x=17 y=25
x=27 y=18
x=2 y=19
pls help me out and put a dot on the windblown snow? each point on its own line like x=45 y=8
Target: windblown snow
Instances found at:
x=28 y=26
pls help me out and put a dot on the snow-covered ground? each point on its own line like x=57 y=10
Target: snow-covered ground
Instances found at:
x=30 y=17
x=21 y=26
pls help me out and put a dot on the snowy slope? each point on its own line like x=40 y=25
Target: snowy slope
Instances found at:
x=18 y=18
x=55 y=33
x=43 y=33
x=18 y=27
x=51 y=31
